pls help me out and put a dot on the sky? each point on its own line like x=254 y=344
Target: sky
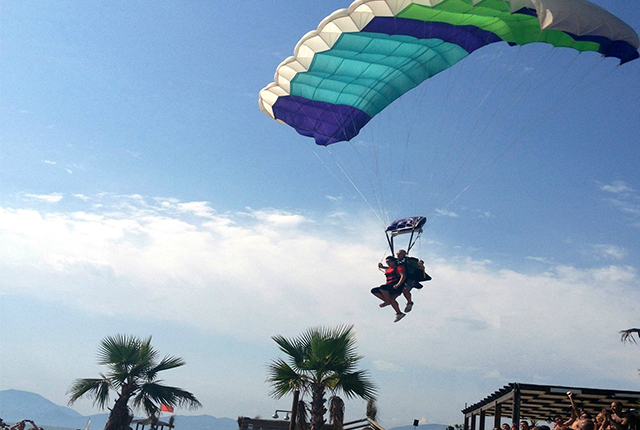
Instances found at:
x=143 y=192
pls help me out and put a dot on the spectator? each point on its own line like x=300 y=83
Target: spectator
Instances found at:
x=560 y=424
x=618 y=420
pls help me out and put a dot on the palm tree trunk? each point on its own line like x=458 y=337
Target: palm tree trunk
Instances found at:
x=317 y=406
x=119 y=417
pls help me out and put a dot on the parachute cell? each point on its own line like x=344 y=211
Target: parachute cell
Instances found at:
x=361 y=59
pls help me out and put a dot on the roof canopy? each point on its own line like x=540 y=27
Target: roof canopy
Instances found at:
x=543 y=402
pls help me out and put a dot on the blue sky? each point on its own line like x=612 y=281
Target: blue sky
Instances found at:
x=142 y=191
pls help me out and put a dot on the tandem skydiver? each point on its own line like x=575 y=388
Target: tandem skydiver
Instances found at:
x=403 y=274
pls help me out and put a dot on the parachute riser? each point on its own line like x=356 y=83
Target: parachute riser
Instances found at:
x=411 y=225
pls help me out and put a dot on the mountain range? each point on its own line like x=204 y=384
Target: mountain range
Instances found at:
x=16 y=405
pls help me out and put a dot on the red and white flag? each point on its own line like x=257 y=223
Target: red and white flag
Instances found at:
x=166 y=408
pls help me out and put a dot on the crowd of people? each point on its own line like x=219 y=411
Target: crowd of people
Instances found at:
x=613 y=418
x=20 y=425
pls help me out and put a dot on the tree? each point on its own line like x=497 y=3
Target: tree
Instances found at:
x=320 y=359
x=133 y=370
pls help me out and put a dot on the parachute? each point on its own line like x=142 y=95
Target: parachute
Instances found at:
x=361 y=59
x=411 y=225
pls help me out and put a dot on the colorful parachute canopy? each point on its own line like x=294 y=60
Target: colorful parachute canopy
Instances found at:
x=362 y=58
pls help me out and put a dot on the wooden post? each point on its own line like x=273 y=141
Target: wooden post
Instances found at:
x=497 y=419
x=473 y=421
x=294 y=410
x=482 y=419
x=516 y=405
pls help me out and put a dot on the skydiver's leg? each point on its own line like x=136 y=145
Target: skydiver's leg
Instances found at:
x=386 y=298
x=394 y=305
x=379 y=293
x=391 y=296
x=406 y=292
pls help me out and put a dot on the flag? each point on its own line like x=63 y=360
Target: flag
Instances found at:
x=166 y=408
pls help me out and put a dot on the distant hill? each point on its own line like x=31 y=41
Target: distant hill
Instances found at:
x=16 y=405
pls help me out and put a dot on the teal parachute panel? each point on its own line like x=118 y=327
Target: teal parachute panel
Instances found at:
x=361 y=59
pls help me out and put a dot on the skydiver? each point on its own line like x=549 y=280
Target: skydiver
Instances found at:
x=388 y=292
x=415 y=273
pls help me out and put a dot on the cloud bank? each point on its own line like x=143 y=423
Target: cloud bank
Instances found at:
x=254 y=273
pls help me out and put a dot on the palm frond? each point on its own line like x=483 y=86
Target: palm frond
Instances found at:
x=166 y=363
x=627 y=335
x=95 y=389
x=284 y=378
x=165 y=394
x=294 y=348
x=143 y=402
x=320 y=358
x=132 y=371
x=118 y=349
x=354 y=384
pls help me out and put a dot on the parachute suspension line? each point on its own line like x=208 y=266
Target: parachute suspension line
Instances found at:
x=376 y=166
x=457 y=151
x=356 y=187
x=549 y=112
x=466 y=157
x=562 y=100
x=446 y=152
x=335 y=116
x=375 y=189
x=499 y=118
x=328 y=169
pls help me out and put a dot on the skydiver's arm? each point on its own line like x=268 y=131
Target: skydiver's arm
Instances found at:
x=403 y=277
x=382 y=266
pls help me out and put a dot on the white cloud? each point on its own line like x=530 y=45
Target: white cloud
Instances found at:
x=49 y=198
x=385 y=366
x=603 y=251
x=625 y=199
x=617 y=187
x=540 y=259
x=252 y=274
x=443 y=212
x=484 y=214
x=53 y=163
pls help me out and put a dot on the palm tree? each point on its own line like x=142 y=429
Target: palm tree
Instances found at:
x=133 y=369
x=627 y=335
x=320 y=359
